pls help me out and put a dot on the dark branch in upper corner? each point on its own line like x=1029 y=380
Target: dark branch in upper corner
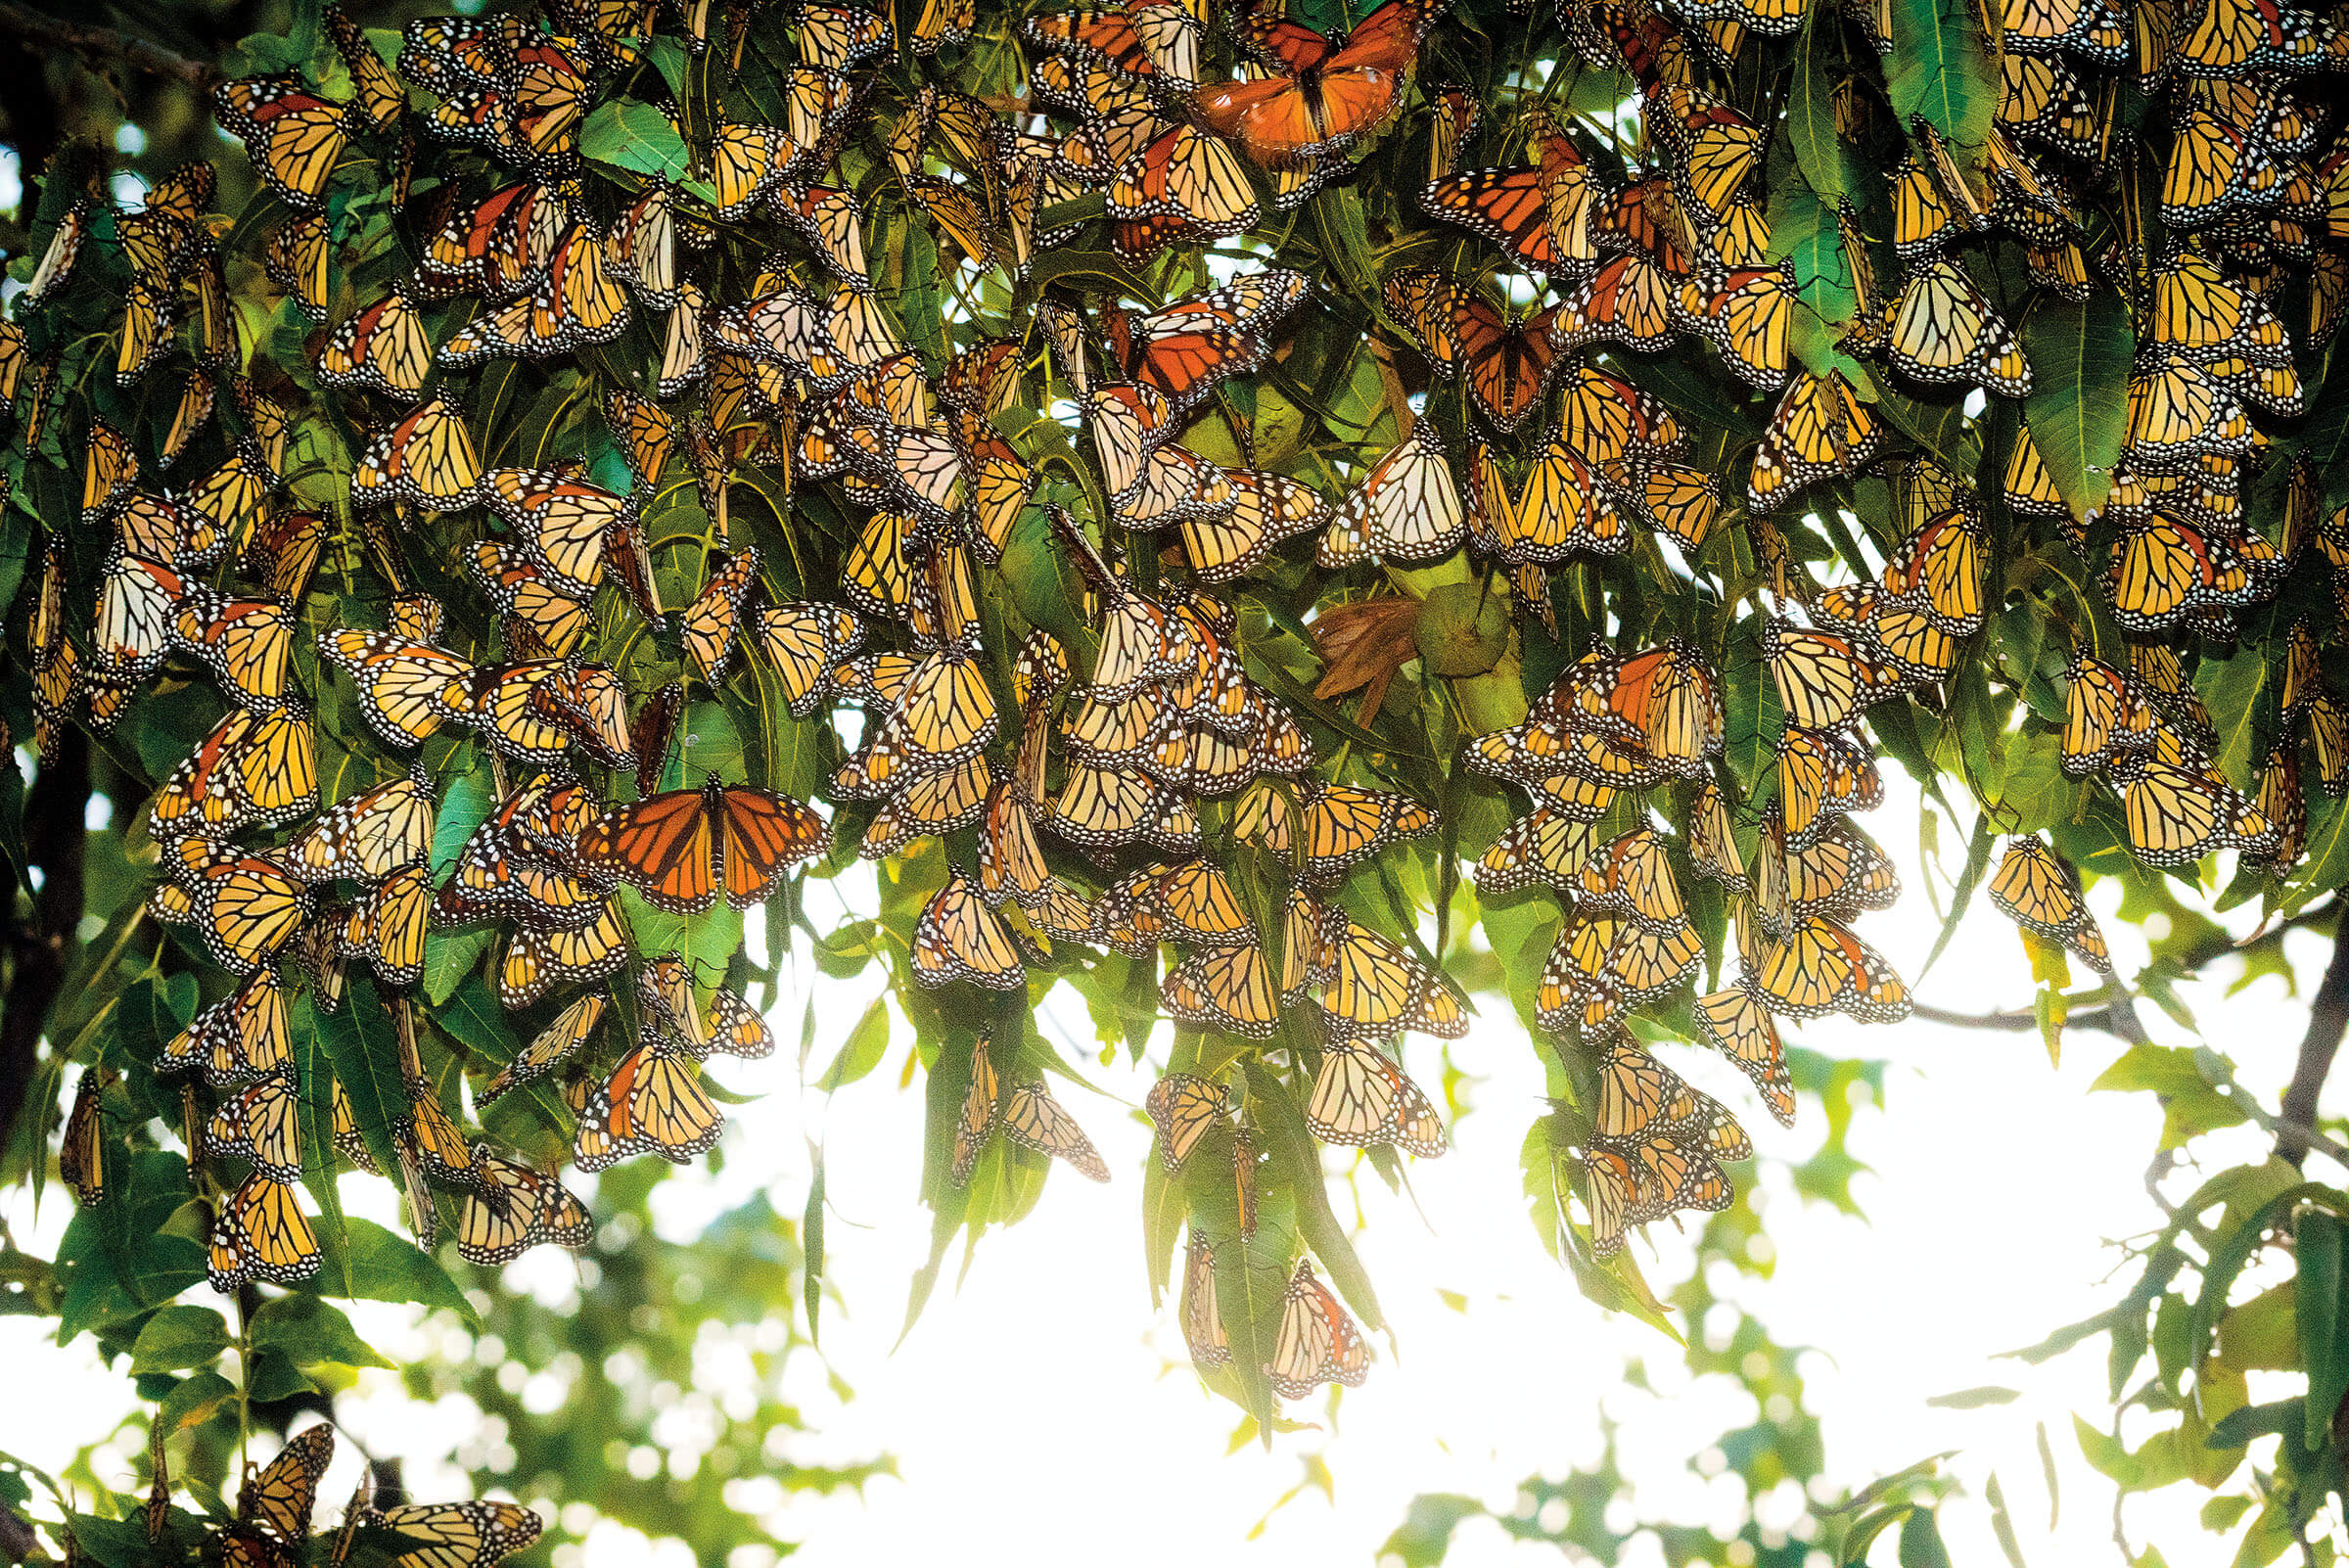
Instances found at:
x=101 y=47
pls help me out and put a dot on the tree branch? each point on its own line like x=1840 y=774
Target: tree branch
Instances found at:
x=56 y=812
x=101 y=47
x=2327 y=1018
x=2026 y=1022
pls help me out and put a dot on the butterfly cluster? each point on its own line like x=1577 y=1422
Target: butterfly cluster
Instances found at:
x=630 y=428
x=275 y=1503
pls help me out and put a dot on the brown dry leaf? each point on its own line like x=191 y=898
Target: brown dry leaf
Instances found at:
x=1364 y=644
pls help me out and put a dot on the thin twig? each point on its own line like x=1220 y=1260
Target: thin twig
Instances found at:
x=2021 y=1023
x=101 y=47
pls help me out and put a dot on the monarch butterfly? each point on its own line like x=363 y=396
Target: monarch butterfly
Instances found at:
x=1378 y=987
x=1202 y=1320
x=261 y=1233
x=681 y=848
x=499 y=874
x=1229 y=989
x=653 y=1103
x=1030 y=1118
x=572 y=1027
x=1265 y=510
x=2176 y=815
x=254 y=769
x=935 y=804
x=1632 y=878
x=1713 y=148
x=672 y=999
x=959 y=937
x=2034 y=889
x=80 y=1157
x=1184 y=1108
x=975 y=1126
x=2180 y=413
x=541 y=958
x=1317 y=1341
x=258 y=1124
x=293 y=138
x=1663 y=1174
x=1839 y=874
x=58 y=257
x=1184 y=187
x=641 y=248
x=1820 y=429
x=566 y=525
x=840 y=36
x=1822 y=681
x=1824 y=774
x=1542 y=215
x=710 y=623
x=246 y=905
x=1406 y=509
x=1941 y=567
x=1360 y=1098
x=1509 y=362
x=803 y=641
x=1186 y=351
x=368 y=836
x=1157 y=41
x=576 y=303
x=387 y=926
x=280 y=1498
x=1340 y=825
x=1546 y=847
x=427 y=459
x=1323 y=94
x=1735 y=1023
x=1639 y=1097
x=546 y=617
x=511 y=1208
x=457 y=1534
x=240 y=1037
x=1944 y=329
x=383 y=349
x=1819 y=968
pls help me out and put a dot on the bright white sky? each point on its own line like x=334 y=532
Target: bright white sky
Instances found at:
x=1042 y=1409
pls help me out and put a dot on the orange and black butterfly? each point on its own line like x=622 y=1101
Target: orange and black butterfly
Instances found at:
x=293 y=137
x=1322 y=94
x=681 y=848
x=1194 y=346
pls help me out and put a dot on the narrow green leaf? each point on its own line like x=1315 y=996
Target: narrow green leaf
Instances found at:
x=811 y=1241
x=1811 y=129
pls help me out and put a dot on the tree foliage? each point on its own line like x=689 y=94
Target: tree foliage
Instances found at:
x=1294 y=539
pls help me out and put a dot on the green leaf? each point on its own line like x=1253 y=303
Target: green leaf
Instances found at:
x=812 y=1234
x=307 y=1332
x=2077 y=410
x=2230 y=689
x=1938 y=70
x=364 y=1055
x=1811 y=129
x=623 y=133
x=178 y=1338
x=862 y=1050
x=1974 y=1399
x=381 y=1265
x=1804 y=231
x=2317 y=1315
